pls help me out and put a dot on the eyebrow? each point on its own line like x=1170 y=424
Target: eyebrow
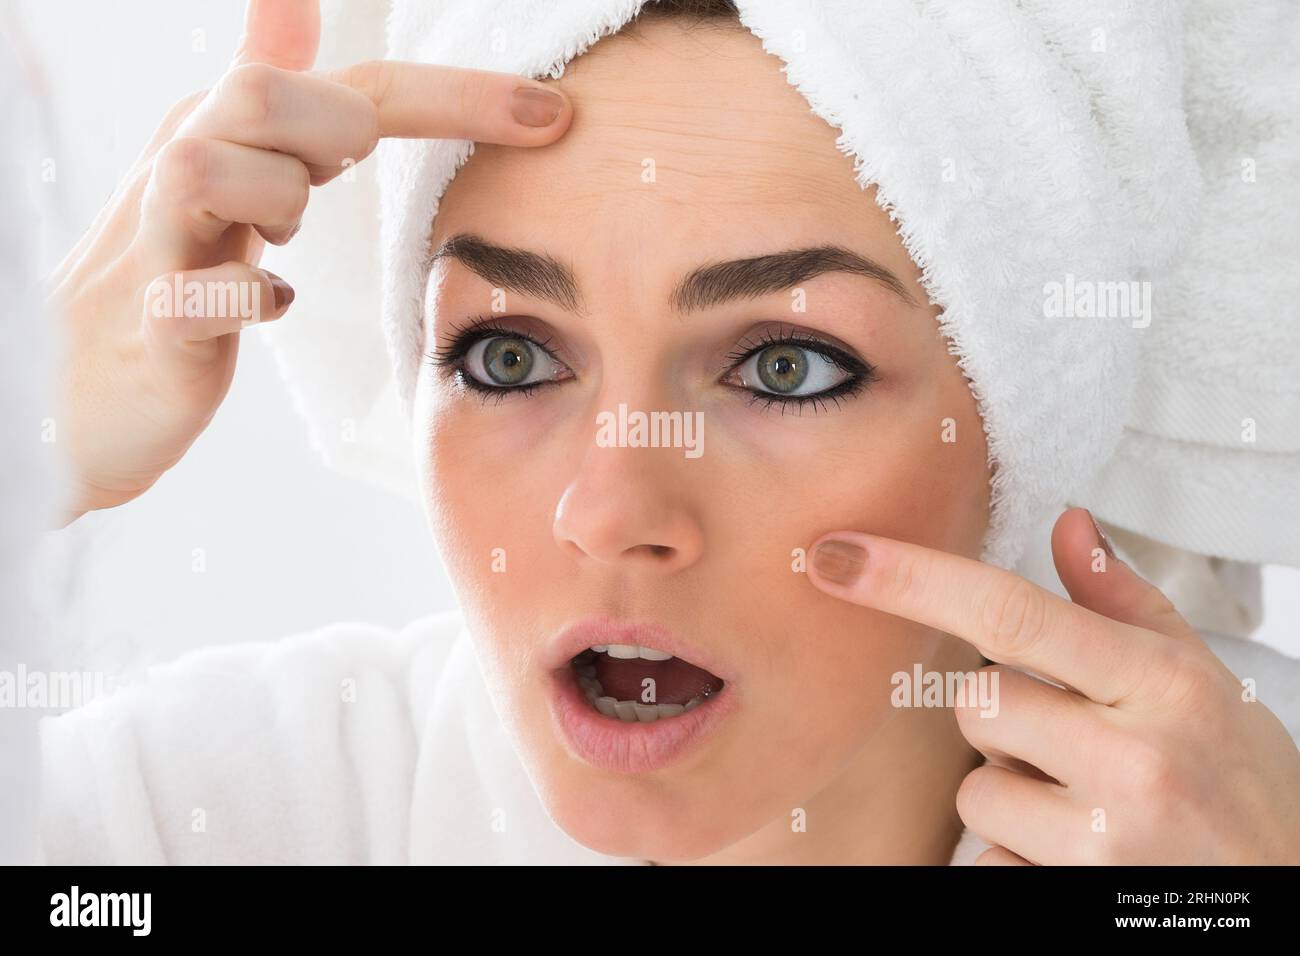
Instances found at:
x=540 y=275
x=762 y=275
x=515 y=269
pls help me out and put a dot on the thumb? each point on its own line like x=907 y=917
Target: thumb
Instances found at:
x=1099 y=581
x=281 y=33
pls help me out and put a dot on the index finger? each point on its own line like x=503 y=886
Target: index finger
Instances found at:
x=420 y=100
x=1010 y=620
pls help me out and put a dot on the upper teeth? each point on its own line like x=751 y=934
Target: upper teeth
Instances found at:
x=630 y=651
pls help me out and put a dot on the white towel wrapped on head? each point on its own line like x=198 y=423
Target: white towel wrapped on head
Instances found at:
x=1023 y=148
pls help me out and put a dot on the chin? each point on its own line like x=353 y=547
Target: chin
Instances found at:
x=642 y=819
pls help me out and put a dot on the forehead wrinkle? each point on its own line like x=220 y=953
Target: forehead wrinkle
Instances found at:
x=737 y=125
x=729 y=136
x=619 y=148
x=735 y=142
x=687 y=185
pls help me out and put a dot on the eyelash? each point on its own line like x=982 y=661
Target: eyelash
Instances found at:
x=861 y=374
x=451 y=358
x=464 y=337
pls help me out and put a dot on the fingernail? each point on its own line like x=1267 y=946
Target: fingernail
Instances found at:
x=839 y=561
x=533 y=106
x=282 y=291
x=1102 y=540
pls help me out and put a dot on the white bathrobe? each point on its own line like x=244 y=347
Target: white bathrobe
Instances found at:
x=349 y=744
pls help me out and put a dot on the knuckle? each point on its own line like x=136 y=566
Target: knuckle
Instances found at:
x=249 y=91
x=970 y=710
x=372 y=78
x=1149 y=772
x=159 y=308
x=1160 y=612
x=1184 y=682
x=1158 y=603
x=972 y=793
x=371 y=83
x=1012 y=616
x=469 y=93
x=299 y=188
x=907 y=573
x=365 y=131
x=971 y=704
x=181 y=167
x=968 y=720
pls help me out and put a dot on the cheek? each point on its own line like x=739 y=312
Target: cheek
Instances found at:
x=904 y=460
x=883 y=467
x=490 y=499
x=481 y=513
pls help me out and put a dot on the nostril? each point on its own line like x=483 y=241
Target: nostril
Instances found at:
x=658 y=552
x=574 y=549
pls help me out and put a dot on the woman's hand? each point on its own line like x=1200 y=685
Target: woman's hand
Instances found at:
x=1156 y=753
x=228 y=170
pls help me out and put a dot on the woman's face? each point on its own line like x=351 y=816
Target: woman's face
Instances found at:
x=827 y=400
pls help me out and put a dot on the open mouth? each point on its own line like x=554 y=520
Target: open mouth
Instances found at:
x=641 y=684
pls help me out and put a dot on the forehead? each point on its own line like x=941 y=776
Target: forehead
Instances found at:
x=686 y=139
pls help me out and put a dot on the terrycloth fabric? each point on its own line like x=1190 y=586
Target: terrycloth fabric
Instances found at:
x=1034 y=154
x=1213 y=594
x=350 y=744
x=1210 y=458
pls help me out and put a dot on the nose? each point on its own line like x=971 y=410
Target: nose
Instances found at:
x=628 y=508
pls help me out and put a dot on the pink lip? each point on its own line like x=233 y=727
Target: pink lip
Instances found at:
x=611 y=744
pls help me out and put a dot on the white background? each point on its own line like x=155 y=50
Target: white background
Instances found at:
x=288 y=545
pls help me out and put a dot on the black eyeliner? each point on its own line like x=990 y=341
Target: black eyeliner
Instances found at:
x=837 y=355
x=464 y=337
x=451 y=358
x=862 y=373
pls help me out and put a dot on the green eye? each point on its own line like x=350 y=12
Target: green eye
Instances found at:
x=507 y=361
x=786 y=369
x=782 y=368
